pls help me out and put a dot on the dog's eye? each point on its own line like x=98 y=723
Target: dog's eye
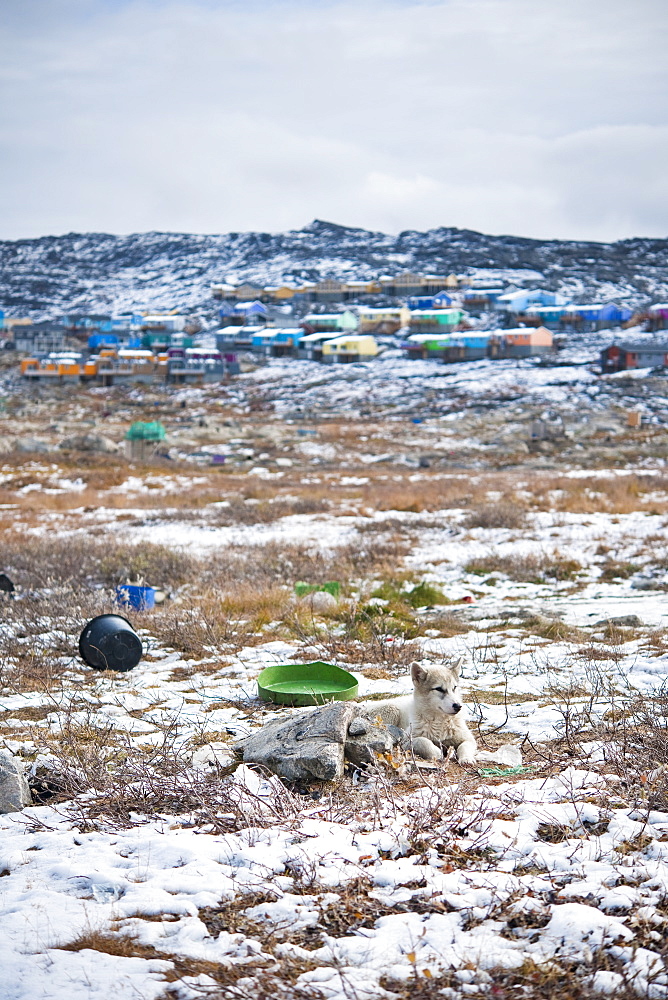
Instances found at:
x=440 y=690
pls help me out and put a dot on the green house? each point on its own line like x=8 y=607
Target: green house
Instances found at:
x=423 y=320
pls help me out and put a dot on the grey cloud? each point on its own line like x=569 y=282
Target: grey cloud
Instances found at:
x=502 y=115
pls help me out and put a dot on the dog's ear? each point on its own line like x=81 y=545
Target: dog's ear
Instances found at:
x=457 y=666
x=418 y=674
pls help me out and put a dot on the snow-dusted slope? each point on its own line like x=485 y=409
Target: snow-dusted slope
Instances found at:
x=100 y=272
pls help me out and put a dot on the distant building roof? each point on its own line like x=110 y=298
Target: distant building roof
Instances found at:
x=641 y=347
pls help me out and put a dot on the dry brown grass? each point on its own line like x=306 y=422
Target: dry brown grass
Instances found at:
x=538 y=568
x=506 y=513
x=271 y=979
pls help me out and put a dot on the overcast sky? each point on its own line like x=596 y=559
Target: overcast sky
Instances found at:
x=544 y=118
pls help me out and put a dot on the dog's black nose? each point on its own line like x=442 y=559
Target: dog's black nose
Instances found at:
x=456 y=707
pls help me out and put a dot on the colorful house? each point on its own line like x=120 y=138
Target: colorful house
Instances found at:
x=520 y=300
x=436 y=320
x=427 y=345
x=236 y=337
x=279 y=293
x=479 y=300
x=247 y=292
x=523 y=342
x=439 y=301
x=550 y=316
x=345 y=322
x=382 y=320
x=621 y=357
x=222 y=291
x=310 y=345
x=349 y=349
x=329 y=290
x=285 y=341
x=467 y=346
x=402 y=285
x=658 y=316
x=433 y=284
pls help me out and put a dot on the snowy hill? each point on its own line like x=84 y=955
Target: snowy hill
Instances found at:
x=99 y=272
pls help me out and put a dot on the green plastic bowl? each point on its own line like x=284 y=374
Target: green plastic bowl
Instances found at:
x=306 y=684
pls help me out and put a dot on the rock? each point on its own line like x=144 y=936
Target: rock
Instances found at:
x=377 y=739
x=14 y=791
x=630 y=621
x=32 y=445
x=319 y=602
x=215 y=754
x=89 y=442
x=359 y=726
x=303 y=747
x=398 y=734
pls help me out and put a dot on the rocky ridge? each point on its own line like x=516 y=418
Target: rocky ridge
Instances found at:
x=100 y=272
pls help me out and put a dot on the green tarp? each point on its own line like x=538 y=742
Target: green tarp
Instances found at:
x=152 y=431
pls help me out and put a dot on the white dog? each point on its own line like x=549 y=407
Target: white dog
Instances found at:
x=431 y=716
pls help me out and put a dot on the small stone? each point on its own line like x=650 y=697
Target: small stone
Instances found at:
x=89 y=442
x=376 y=740
x=398 y=735
x=359 y=726
x=14 y=790
x=629 y=621
x=320 y=601
x=32 y=445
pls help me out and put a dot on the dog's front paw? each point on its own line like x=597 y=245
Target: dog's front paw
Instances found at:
x=465 y=756
x=424 y=748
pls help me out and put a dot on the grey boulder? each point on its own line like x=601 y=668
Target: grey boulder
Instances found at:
x=32 y=445
x=320 y=602
x=630 y=621
x=14 y=790
x=89 y=442
x=303 y=747
x=376 y=738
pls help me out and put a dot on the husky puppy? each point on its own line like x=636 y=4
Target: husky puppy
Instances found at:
x=431 y=716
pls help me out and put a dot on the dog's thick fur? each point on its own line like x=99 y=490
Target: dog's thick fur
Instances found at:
x=431 y=716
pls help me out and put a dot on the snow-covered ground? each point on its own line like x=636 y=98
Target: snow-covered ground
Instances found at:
x=484 y=881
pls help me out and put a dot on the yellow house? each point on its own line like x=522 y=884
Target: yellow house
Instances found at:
x=347 y=348
x=247 y=292
x=404 y=284
x=329 y=290
x=382 y=320
x=12 y=321
x=433 y=283
x=222 y=291
x=354 y=288
x=279 y=293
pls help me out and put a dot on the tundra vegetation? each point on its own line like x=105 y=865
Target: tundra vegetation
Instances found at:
x=186 y=874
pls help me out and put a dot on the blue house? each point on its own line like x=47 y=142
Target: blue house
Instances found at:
x=612 y=313
x=251 y=310
x=420 y=301
x=519 y=300
x=285 y=341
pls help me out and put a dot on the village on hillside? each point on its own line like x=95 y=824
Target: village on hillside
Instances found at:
x=450 y=318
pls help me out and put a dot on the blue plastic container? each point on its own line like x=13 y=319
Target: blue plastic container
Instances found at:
x=139 y=598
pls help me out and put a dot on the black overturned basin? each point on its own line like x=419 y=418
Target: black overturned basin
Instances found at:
x=109 y=642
